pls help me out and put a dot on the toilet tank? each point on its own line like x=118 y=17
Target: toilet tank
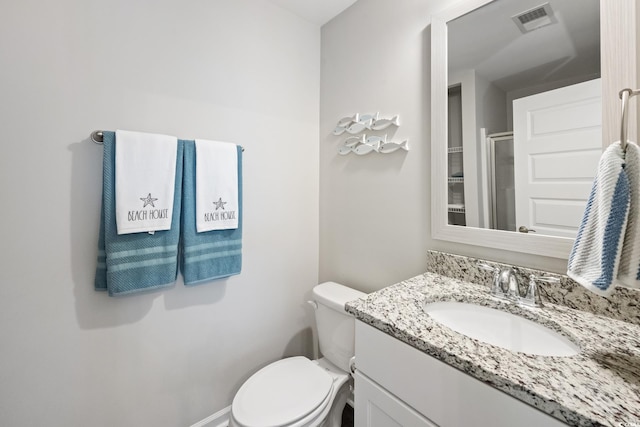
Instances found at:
x=335 y=326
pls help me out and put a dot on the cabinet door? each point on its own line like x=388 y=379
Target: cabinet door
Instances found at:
x=376 y=407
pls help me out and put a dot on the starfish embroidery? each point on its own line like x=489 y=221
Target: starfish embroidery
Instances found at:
x=220 y=204
x=148 y=201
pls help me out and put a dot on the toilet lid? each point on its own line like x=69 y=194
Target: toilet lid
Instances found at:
x=281 y=393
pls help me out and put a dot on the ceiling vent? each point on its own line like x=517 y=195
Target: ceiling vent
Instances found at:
x=532 y=19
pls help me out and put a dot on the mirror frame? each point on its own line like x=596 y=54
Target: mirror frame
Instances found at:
x=551 y=246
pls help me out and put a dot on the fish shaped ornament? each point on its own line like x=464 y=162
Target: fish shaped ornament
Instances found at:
x=344 y=123
x=364 y=122
x=366 y=148
x=375 y=139
x=345 y=149
x=381 y=124
x=390 y=147
x=352 y=141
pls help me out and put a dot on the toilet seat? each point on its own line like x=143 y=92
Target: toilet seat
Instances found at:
x=283 y=393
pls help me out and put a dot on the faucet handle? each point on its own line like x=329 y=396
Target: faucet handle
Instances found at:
x=495 y=287
x=532 y=298
x=488 y=267
x=546 y=279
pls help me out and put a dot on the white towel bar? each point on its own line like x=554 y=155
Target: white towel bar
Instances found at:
x=625 y=94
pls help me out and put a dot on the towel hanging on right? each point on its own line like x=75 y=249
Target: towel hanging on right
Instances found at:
x=606 y=251
x=215 y=253
x=629 y=270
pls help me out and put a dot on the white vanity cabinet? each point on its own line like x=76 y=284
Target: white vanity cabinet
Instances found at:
x=377 y=407
x=398 y=385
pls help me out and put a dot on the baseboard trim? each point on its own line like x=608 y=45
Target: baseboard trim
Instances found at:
x=219 y=419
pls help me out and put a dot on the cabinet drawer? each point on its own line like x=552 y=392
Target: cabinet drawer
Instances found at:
x=444 y=395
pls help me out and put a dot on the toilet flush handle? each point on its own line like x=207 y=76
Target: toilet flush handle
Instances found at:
x=352 y=365
x=313 y=304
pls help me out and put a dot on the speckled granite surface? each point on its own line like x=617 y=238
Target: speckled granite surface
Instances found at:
x=598 y=387
x=624 y=303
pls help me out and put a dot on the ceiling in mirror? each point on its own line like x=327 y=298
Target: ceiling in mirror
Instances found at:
x=489 y=41
x=524 y=114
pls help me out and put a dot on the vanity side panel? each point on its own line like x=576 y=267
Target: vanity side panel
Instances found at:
x=446 y=396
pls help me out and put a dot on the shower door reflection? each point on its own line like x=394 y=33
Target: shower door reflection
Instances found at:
x=501 y=181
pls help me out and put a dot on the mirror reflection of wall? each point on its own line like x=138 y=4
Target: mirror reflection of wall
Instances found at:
x=509 y=50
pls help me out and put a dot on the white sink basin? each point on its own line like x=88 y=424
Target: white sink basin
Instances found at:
x=501 y=329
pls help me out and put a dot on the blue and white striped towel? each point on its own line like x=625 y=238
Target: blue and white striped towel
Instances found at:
x=629 y=271
x=595 y=257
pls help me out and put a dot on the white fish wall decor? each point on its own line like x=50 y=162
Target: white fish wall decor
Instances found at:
x=345 y=149
x=362 y=144
x=359 y=122
x=380 y=124
x=363 y=122
x=369 y=117
x=352 y=141
x=390 y=147
x=366 y=148
x=339 y=131
x=344 y=123
x=359 y=126
x=373 y=139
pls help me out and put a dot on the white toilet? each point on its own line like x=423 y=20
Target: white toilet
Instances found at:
x=298 y=392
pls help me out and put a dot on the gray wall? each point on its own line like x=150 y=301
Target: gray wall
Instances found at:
x=375 y=209
x=243 y=71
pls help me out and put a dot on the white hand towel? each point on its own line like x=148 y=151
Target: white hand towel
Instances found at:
x=629 y=270
x=145 y=181
x=216 y=186
x=595 y=257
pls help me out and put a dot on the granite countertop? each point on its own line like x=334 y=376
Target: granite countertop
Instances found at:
x=598 y=387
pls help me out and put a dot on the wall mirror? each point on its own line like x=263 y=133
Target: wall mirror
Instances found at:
x=516 y=121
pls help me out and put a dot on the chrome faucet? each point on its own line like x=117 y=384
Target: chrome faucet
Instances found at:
x=508 y=284
x=505 y=286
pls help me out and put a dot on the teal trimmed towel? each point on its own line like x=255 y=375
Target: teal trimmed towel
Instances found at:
x=213 y=254
x=132 y=263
